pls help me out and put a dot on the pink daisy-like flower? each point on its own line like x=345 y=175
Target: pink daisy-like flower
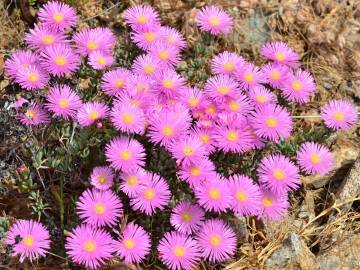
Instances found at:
x=172 y=37
x=153 y=194
x=249 y=76
x=141 y=17
x=125 y=154
x=134 y=244
x=240 y=105
x=275 y=75
x=20 y=101
x=280 y=53
x=147 y=65
x=339 y=114
x=32 y=77
x=91 y=112
x=99 y=60
x=167 y=54
x=274 y=206
x=214 y=194
x=278 y=174
x=29 y=239
x=195 y=174
x=99 y=208
x=187 y=218
x=96 y=39
x=41 y=37
x=102 y=177
x=57 y=16
x=271 y=122
x=226 y=63
x=221 y=87
x=34 y=116
x=132 y=181
x=191 y=97
x=205 y=136
x=170 y=83
x=261 y=95
x=146 y=38
x=59 y=59
x=178 y=251
x=139 y=84
x=114 y=81
x=211 y=111
x=128 y=118
x=315 y=158
x=19 y=60
x=63 y=102
x=246 y=195
x=188 y=150
x=214 y=20
x=90 y=246
x=298 y=87
x=217 y=240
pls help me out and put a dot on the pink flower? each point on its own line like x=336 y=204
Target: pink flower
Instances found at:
x=195 y=174
x=339 y=114
x=146 y=38
x=170 y=83
x=315 y=158
x=34 y=116
x=63 y=102
x=57 y=16
x=139 y=85
x=153 y=194
x=214 y=20
x=99 y=208
x=187 y=218
x=147 y=65
x=114 y=81
x=41 y=37
x=271 y=122
x=99 y=60
x=275 y=75
x=134 y=244
x=188 y=150
x=168 y=55
x=278 y=174
x=217 y=240
x=141 y=17
x=172 y=37
x=214 y=194
x=91 y=112
x=191 y=98
x=226 y=63
x=205 y=136
x=132 y=181
x=128 y=118
x=261 y=95
x=246 y=195
x=102 y=177
x=19 y=60
x=221 y=87
x=89 y=246
x=240 y=105
x=59 y=60
x=280 y=53
x=20 y=101
x=29 y=239
x=274 y=206
x=32 y=77
x=125 y=154
x=249 y=76
x=178 y=252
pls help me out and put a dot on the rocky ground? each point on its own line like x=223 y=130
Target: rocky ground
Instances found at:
x=322 y=230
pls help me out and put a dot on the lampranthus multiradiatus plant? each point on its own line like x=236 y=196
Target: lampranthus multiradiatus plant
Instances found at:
x=156 y=188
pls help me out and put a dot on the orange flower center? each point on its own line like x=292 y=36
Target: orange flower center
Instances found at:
x=99 y=208
x=232 y=136
x=193 y=102
x=204 y=138
x=30 y=114
x=28 y=241
x=92 y=45
x=241 y=196
x=128 y=118
x=339 y=116
x=280 y=56
x=275 y=75
x=101 y=60
x=168 y=84
x=150 y=36
x=102 y=179
x=261 y=99
x=132 y=180
x=195 y=171
x=179 y=251
x=186 y=216
x=267 y=202
x=296 y=85
x=125 y=155
x=164 y=55
x=33 y=77
x=58 y=17
x=60 y=60
x=315 y=158
x=93 y=115
x=223 y=90
x=48 y=39
x=234 y=106
x=119 y=83
x=142 y=19
x=248 y=77
x=271 y=122
x=228 y=66
x=279 y=174
x=129 y=243
x=188 y=151
x=89 y=246
x=214 y=193
x=149 y=194
x=63 y=103
x=215 y=240
x=214 y=21
x=167 y=131
x=149 y=69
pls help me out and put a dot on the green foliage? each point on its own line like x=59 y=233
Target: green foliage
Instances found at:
x=38 y=206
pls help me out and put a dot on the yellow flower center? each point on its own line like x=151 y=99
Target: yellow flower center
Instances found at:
x=214 y=21
x=129 y=243
x=93 y=115
x=170 y=39
x=271 y=122
x=60 y=60
x=135 y=102
x=142 y=19
x=195 y=171
x=188 y=151
x=228 y=66
x=132 y=180
x=33 y=77
x=261 y=99
x=119 y=83
x=125 y=155
x=234 y=106
x=90 y=246
x=58 y=17
x=167 y=131
x=280 y=56
x=296 y=85
x=164 y=55
x=193 y=102
x=149 y=194
x=48 y=40
x=101 y=60
x=232 y=136
x=339 y=116
x=141 y=88
x=279 y=174
x=150 y=36
x=211 y=109
x=241 y=196
x=315 y=158
x=267 y=202
x=99 y=208
x=28 y=241
x=102 y=179
x=149 y=69
x=179 y=251
x=215 y=240
x=275 y=75
x=214 y=193
x=168 y=84
x=30 y=114
x=186 y=216
x=248 y=77
x=223 y=90
x=92 y=45
x=204 y=138
x=63 y=103
x=128 y=118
